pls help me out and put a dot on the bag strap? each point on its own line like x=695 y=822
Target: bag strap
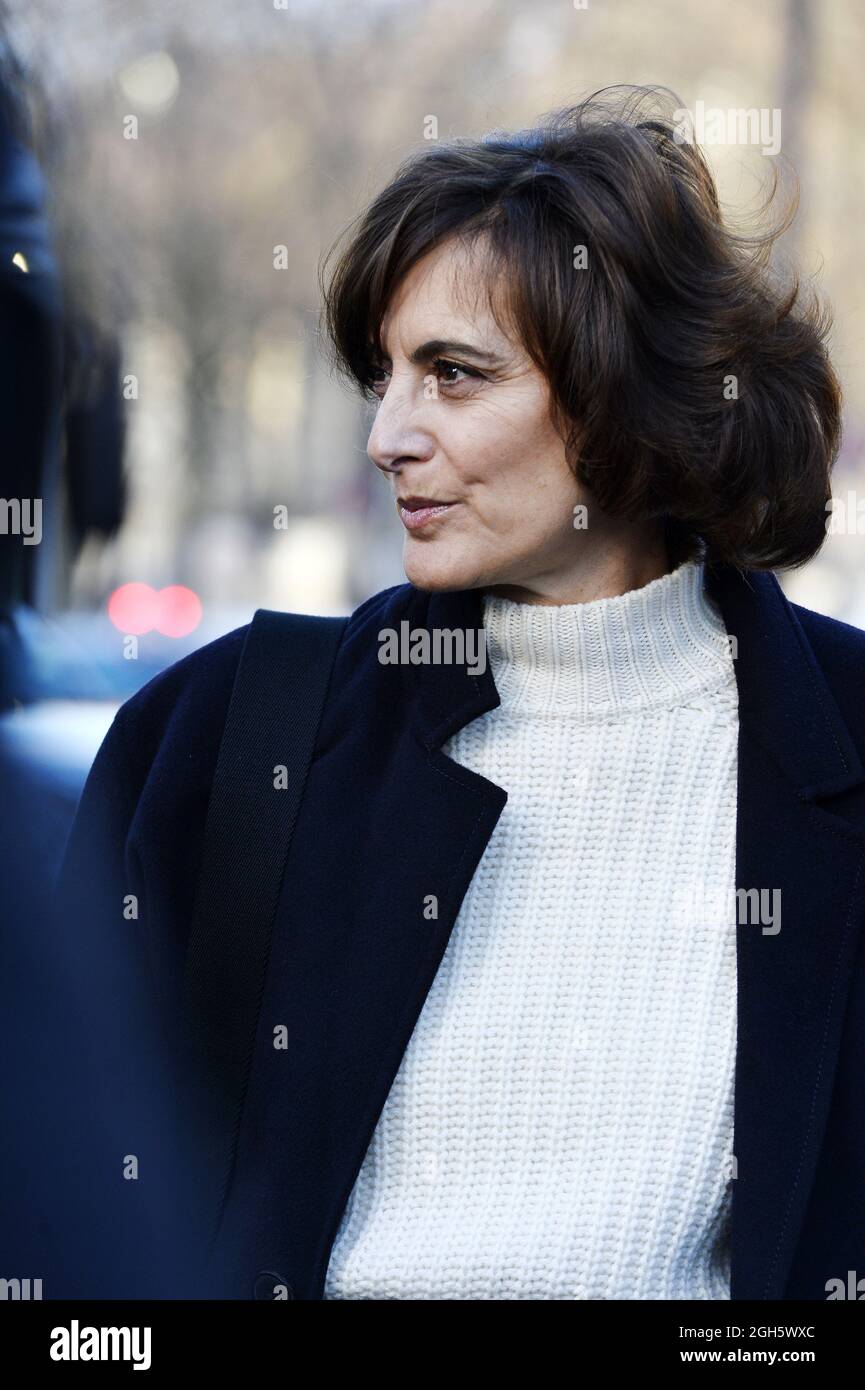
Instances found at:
x=273 y=717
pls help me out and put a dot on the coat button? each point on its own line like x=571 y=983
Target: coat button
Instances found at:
x=270 y=1286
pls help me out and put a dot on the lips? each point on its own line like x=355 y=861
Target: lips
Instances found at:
x=416 y=512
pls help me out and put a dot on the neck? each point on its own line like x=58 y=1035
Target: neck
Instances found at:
x=661 y=644
x=616 y=569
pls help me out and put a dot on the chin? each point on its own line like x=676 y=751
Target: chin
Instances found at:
x=438 y=572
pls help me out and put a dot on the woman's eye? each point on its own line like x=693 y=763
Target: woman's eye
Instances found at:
x=377 y=381
x=445 y=368
x=448 y=373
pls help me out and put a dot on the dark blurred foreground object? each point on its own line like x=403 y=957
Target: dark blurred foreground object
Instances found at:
x=70 y=1214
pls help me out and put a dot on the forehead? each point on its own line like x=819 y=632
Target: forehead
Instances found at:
x=449 y=293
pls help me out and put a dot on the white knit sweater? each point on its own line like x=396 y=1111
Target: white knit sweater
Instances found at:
x=561 y=1123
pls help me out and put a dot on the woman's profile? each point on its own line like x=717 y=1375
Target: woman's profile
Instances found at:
x=549 y=984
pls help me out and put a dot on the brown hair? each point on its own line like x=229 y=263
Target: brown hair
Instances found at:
x=673 y=313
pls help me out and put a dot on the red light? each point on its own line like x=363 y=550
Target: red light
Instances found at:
x=133 y=608
x=138 y=608
x=179 y=611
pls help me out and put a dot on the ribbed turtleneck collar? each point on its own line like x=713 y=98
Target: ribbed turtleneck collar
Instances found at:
x=662 y=644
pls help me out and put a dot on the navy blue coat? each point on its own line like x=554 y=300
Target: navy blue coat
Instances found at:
x=388 y=819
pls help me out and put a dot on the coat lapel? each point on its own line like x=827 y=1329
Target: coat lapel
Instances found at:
x=389 y=837
x=795 y=756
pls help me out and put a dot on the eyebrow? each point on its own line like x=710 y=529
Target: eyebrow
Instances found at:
x=445 y=347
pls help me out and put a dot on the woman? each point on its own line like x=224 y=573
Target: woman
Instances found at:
x=564 y=995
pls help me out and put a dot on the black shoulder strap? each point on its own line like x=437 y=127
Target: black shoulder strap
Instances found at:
x=273 y=716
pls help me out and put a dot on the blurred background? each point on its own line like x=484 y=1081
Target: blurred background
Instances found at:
x=172 y=174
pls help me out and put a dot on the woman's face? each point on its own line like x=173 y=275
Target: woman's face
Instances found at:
x=463 y=420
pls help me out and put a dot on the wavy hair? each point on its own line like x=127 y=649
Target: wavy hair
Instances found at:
x=690 y=383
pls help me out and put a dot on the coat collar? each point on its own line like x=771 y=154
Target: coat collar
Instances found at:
x=782 y=692
x=447 y=695
x=781 y=689
x=794 y=754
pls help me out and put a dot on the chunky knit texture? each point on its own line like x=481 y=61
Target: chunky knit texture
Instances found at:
x=561 y=1123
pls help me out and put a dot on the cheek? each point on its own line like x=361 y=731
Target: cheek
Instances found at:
x=511 y=465
x=525 y=468
x=510 y=442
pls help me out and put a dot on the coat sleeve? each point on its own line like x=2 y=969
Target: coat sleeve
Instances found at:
x=126 y=889
x=123 y=904
x=123 y=1150
x=95 y=902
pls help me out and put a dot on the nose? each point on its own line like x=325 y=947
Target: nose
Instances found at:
x=398 y=434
